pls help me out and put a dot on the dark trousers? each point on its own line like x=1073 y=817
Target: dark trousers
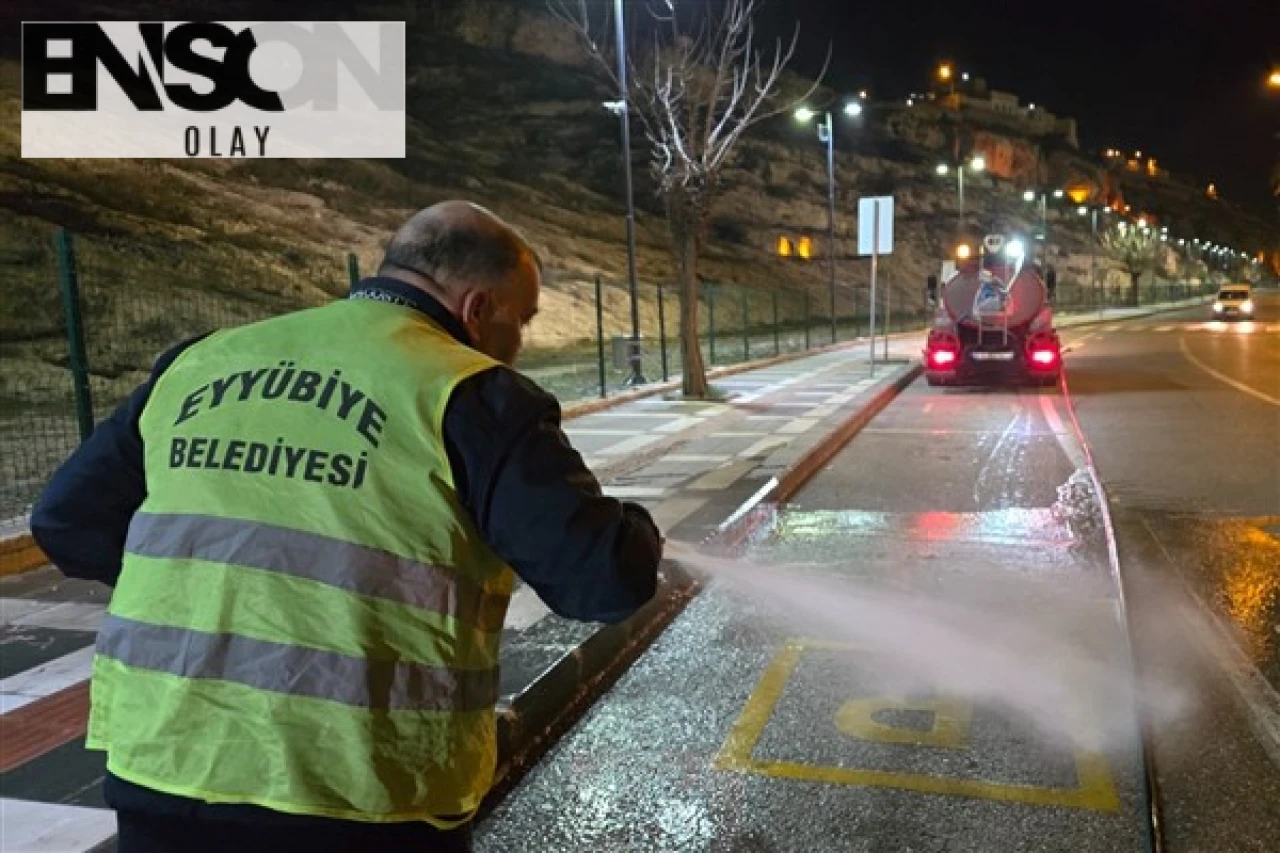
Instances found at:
x=148 y=833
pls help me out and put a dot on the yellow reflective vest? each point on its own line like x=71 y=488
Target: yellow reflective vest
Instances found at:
x=307 y=619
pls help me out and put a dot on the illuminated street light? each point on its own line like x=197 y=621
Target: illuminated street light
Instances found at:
x=1274 y=80
x=1082 y=210
x=978 y=163
x=1029 y=195
x=624 y=114
x=942 y=169
x=1058 y=193
x=944 y=71
x=863 y=94
x=827 y=135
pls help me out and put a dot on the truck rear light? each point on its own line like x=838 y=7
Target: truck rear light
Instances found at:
x=942 y=358
x=1044 y=357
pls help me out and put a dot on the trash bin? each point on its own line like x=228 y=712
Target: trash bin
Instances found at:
x=623 y=346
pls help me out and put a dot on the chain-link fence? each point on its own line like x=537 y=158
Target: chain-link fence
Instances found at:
x=84 y=318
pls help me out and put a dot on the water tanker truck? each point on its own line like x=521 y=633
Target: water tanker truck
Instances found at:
x=993 y=321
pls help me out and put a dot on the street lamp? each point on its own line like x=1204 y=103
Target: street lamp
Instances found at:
x=976 y=164
x=1274 y=80
x=624 y=110
x=826 y=134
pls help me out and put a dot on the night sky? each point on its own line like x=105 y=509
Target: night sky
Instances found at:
x=1180 y=80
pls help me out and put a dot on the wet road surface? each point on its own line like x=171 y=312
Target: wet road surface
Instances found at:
x=1183 y=415
x=925 y=655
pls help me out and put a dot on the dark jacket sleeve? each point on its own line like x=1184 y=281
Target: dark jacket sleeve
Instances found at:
x=83 y=514
x=589 y=557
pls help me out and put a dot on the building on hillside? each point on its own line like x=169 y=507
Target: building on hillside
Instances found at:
x=988 y=106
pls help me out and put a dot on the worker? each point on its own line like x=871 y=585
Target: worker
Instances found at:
x=313 y=525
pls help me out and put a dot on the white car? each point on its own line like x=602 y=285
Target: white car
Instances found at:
x=1234 y=302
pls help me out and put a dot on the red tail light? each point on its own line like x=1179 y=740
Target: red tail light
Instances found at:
x=1044 y=357
x=942 y=358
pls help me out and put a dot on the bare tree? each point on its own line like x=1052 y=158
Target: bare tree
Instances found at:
x=1135 y=249
x=696 y=93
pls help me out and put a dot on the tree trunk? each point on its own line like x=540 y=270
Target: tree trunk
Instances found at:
x=685 y=227
x=1135 y=279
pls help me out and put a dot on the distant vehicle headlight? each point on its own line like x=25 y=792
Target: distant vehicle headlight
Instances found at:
x=1247 y=306
x=1217 y=307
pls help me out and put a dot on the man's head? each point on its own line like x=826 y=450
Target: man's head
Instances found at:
x=477 y=266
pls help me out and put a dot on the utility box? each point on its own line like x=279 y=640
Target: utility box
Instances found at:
x=623 y=347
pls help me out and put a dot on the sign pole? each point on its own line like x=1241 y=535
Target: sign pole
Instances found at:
x=875 y=256
x=888 y=326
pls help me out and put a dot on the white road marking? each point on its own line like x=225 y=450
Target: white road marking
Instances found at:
x=1166 y=328
x=525 y=609
x=696 y=457
x=13 y=609
x=797 y=426
x=630 y=445
x=634 y=491
x=31 y=827
x=38 y=682
x=722 y=478
x=679 y=425
x=65 y=616
x=671 y=512
x=764 y=445
x=1222 y=377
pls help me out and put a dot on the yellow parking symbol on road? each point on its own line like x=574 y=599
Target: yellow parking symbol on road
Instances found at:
x=949 y=729
x=867 y=718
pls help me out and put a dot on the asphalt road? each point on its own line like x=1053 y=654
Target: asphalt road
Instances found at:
x=925 y=656
x=1183 y=415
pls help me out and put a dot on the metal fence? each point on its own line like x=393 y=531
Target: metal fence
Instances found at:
x=82 y=320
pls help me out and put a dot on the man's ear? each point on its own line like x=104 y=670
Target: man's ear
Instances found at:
x=475 y=304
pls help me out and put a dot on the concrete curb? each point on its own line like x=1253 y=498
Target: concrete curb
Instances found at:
x=531 y=721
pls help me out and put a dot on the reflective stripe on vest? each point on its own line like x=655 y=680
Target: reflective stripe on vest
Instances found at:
x=295 y=670
x=298 y=553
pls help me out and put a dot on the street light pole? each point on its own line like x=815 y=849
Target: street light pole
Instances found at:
x=960 y=193
x=637 y=367
x=827 y=129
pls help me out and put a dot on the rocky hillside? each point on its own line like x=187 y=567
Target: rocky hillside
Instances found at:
x=505 y=111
